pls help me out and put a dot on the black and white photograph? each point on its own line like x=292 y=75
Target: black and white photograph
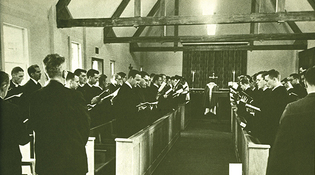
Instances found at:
x=157 y=87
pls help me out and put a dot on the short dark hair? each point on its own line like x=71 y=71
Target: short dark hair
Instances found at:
x=77 y=72
x=92 y=72
x=102 y=78
x=32 y=69
x=143 y=74
x=262 y=73
x=70 y=76
x=16 y=70
x=4 y=78
x=310 y=76
x=244 y=79
x=273 y=74
x=122 y=74
x=52 y=64
x=295 y=76
x=132 y=73
x=156 y=78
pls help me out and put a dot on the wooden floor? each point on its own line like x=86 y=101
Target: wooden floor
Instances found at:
x=205 y=148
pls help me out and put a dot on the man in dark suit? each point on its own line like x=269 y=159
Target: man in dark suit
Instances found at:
x=125 y=106
x=30 y=87
x=12 y=130
x=278 y=100
x=90 y=91
x=15 y=87
x=59 y=117
x=293 y=151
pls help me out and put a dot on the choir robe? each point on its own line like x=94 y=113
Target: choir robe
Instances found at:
x=271 y=113
x=126 y=112
x=60 y=120
x=13 y=133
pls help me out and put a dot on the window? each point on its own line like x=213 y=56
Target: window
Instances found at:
x=98 y=64
x=76 y=56
x=15 y=43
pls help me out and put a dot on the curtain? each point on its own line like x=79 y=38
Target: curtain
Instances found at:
x=205 y=63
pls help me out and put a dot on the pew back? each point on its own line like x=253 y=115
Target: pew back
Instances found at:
x=248 y=150
x=141 y=153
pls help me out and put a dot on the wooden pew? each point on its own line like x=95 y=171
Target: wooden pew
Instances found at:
x=104 y=148
x=248 y=150
x=142 y=152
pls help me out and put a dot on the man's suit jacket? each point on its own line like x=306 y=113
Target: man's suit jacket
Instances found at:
x=14 y=90
x=293 y=150
x=59 y=117
x=28 y=89
x=270 y=115
x=12 y=133
x=90 y=92
x=152 y=93
x=126 y=111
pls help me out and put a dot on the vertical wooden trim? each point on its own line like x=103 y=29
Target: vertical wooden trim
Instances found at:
x=137 y=8
x=280 y=4
x=162 y=13
x=176 y=13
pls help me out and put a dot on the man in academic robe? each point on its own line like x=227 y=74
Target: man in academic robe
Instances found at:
x=13 y=132
x=293 y=151
x=15 y=87
x=60 y=120
x=270 y=116
x=125 y=104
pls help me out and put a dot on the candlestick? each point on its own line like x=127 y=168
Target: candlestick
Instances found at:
x=193 y=76
x=233 y=76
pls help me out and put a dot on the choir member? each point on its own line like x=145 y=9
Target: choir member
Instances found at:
x=59 y=118
x=298 y=89
x=293 y=151
x=13 y=132
x=81 y=73
x=125 y=104
x=15 y=87
x=72 y=81
x=278 y=100
x=90 y=91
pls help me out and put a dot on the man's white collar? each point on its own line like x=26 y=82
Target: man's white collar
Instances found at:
x=128 y=84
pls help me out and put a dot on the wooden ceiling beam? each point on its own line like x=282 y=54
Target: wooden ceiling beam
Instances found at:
x=108 y=31
x=312 y=3
x=190 y=20
x=215 y=38
x=248 y=47
x=218 y=48
x=152 y=12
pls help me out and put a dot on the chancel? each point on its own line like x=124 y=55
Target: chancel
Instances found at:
x=154 y=87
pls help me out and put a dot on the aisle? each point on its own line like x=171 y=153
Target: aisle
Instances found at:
x=205 y=148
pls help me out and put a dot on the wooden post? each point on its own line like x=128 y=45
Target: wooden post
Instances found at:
x=137 y=8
